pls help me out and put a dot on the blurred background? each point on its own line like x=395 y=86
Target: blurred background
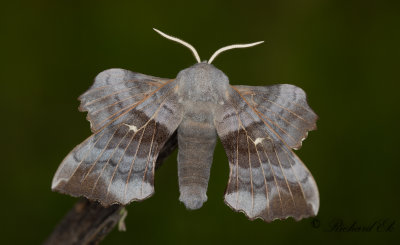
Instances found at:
x=344 y=54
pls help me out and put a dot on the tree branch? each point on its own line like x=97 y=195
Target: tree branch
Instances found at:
x=89 y=222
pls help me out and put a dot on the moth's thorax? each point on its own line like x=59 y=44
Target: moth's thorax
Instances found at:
x=202 y=82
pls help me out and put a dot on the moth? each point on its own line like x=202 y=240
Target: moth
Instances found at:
x=132 y=115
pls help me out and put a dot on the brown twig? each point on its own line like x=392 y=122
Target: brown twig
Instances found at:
x=89 y=222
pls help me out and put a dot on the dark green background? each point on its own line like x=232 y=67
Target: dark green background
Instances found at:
x=344 y=54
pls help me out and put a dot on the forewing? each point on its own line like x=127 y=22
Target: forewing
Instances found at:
x=284 y=108
x=114 y=92
x=116 y=164
x=267 y=180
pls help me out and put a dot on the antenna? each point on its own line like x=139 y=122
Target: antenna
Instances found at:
x=232 y=47
x=196 y=55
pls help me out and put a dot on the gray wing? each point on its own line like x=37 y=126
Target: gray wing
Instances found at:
x=284 y=108
x=132 y=115
x=267 y=180
x=114 y=92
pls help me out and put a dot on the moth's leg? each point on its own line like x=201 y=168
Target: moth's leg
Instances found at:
x=196 y=140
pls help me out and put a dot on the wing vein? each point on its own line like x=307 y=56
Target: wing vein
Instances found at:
x=150 y=82
x=237 y=162
x=257 y=113
x=284 y=176
x=265 y=179
x=296 y=104
x=113 y=104
x=120 y=159
x=132 y=164
x=278 y=116
x=297 y=179
x=106 y=164
x=108 y=95
x=101 y=154
x=148 y=158
x=87 y=154
x=273 y=174
x=128 y=108
x=251 y=175
x=291 y=112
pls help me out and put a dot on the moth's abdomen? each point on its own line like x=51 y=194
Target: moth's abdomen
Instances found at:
x=196 y=139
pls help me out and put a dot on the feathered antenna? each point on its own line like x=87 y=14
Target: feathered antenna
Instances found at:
x=196 y=55
x=232 y=47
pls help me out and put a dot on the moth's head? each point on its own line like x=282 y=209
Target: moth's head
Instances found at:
x=202 y=82
x=202 y=73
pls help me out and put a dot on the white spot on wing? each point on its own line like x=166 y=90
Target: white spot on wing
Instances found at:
x=258 y=141
x=132 y=127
